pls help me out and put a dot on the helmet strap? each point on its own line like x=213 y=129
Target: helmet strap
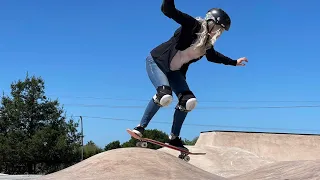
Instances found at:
x=208 y=21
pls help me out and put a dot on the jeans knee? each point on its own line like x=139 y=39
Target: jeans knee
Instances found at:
x=163 y=97
x=186 y=101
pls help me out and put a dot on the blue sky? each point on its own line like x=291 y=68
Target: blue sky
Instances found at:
x=98 y=49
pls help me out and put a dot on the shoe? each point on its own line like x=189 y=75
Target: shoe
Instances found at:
x=177 y=142
x=139 y=130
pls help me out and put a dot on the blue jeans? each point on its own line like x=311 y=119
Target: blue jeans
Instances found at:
x=178 y=84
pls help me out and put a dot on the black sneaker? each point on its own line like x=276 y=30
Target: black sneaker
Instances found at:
x=177 y=142
x=139 y=130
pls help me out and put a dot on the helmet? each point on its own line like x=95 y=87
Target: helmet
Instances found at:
x=220 y=17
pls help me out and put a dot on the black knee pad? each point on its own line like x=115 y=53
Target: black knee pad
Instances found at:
x=163 y=97
x=187 y=101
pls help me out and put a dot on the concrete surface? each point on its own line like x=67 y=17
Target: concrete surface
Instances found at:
x=223 y=161
x=230 y=156
x=19 y=177
x=274 y=146
x=290 y=170
x=132 y=163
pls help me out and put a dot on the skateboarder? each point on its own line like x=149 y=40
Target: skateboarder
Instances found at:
x=168 y=63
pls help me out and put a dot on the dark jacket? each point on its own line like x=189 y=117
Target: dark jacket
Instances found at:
x=183 y=37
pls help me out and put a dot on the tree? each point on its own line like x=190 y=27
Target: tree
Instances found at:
x=91 y=149
x=112 y=145
x=190 y=142
x=34 y=131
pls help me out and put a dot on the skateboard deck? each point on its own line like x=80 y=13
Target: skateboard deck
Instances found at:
x=143 y=143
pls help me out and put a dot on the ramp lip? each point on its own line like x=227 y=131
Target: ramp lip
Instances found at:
x=261 y=132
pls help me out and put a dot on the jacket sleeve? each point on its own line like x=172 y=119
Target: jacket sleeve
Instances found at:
x=214 y=56
x=168 y=8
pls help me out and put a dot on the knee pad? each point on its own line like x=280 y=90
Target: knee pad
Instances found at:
x=163 y=97
x=187 y=101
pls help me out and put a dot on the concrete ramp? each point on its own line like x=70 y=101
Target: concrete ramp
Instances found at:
x=223 y=161
x=272 y=146
x=287 y=170
x=230 y=155
x=132 y=163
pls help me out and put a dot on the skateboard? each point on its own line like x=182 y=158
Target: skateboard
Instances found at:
x=143 y=142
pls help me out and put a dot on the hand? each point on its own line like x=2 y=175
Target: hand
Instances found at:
x=241 y=60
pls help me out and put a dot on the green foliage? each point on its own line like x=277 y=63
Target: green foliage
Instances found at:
x=35 y=135
x=91 y=149
x=190 y=142
x=112 y=145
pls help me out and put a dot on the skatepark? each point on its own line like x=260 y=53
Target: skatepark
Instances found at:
x=229 y=156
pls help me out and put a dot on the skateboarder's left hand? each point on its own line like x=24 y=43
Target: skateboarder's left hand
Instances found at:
x=241 y=60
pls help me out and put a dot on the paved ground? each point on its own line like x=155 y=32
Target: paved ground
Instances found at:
x=19 y=177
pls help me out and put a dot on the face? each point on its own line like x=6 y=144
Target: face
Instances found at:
x=213 y=28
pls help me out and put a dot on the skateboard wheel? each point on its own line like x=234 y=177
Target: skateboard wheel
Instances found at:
x=186 y=158
x=138 y=144
x=144 y=144
x=141 y=144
